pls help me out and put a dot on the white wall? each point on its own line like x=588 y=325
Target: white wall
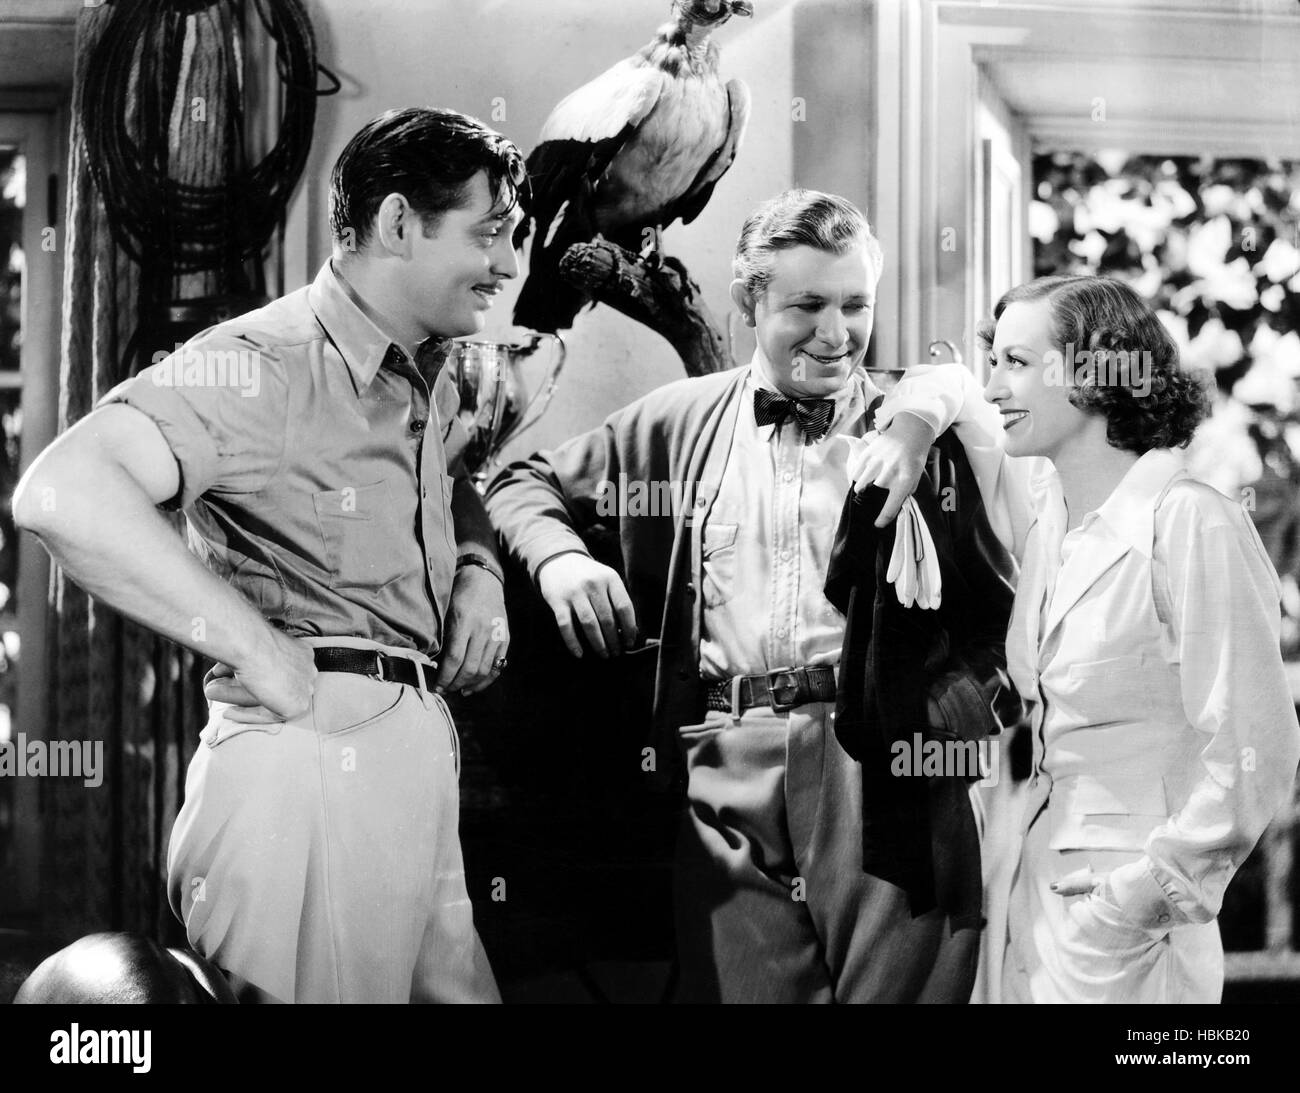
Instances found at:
x=392 y=53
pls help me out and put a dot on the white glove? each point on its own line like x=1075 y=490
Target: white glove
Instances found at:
x=931 y=586
x=914 y=565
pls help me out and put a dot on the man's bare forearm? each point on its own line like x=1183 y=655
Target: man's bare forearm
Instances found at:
x=101 y=527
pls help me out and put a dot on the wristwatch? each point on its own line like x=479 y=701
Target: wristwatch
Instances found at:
x=480 y=561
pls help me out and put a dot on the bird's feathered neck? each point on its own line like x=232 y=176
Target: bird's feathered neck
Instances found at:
x=682 y=45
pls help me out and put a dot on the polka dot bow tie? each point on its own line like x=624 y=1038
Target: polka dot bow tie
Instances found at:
x=813 y=415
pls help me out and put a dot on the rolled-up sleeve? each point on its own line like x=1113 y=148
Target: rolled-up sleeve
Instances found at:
x=221 y=404
x=1224 y=606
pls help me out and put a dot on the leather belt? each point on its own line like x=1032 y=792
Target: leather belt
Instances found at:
x=377 y=665
x=783 y=689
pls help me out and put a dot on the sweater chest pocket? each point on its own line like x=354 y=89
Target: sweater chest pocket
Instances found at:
x=718 y=561
x=362 y=536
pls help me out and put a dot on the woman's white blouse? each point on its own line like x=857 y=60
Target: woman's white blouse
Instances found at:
x=1146 y=645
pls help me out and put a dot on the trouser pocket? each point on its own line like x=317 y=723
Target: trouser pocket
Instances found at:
x=346 y=703
x=220 y=728
x=451 y=729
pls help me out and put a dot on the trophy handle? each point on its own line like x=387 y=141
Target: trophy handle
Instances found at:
x=950 y=346
x=532 y=411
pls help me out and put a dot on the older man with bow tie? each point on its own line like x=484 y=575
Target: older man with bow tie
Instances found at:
x=772 y=904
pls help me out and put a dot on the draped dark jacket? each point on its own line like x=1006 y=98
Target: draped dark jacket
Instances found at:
x=919 y=831
x=681 y=434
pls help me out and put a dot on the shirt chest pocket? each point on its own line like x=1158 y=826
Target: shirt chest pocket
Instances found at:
x=718 y=557
x=363 y=536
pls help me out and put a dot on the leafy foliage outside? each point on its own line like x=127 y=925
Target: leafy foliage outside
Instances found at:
x=1214 y=246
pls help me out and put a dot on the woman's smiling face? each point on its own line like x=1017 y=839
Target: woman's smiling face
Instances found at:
x=1032 y=396
x=813 y=320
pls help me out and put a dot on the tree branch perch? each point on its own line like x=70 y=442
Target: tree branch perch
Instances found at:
x=662 y=297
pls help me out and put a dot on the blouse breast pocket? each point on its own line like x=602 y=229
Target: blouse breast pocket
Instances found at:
x=718 y=557
x=1113 y=691
x=361 y=535
x=1114 y=813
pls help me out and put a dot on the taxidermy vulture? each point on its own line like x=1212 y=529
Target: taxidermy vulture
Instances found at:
x=641 y=145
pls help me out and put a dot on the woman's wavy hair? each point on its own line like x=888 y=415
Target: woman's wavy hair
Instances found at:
x=1147 y=398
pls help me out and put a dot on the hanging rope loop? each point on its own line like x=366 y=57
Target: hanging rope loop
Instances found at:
x=182 y=202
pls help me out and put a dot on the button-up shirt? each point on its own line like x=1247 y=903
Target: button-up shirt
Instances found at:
x=768 y=537
x=314 y=458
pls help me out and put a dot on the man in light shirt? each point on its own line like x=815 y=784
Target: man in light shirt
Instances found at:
x=317 y=858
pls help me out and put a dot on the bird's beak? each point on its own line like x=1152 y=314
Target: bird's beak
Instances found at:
x=742 y=7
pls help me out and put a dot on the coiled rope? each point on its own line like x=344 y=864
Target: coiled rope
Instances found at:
x=175 y=192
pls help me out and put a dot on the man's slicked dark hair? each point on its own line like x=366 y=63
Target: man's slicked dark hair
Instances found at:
x=427 y=155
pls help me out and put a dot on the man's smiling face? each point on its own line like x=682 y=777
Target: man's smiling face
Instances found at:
x=456 y=271
x=813 y=321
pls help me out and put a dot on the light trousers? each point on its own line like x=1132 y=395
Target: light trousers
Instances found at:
x=772 y=904
x=319 y=859
x=1082 y=949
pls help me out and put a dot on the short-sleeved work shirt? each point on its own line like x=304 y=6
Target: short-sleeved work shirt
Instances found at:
x=314 y=464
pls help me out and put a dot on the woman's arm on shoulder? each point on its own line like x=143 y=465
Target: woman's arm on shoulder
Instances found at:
x=948 y=396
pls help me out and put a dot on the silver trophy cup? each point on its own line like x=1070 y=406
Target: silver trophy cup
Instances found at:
x=495 y=405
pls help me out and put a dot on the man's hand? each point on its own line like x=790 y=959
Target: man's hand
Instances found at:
x=477 y=633
x=895 y=461
x=581 y=591
x=275 y=683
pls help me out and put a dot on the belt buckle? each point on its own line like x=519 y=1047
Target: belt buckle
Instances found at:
x=783 y=688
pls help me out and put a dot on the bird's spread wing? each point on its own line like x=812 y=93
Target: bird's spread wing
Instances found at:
x=578 y=142
x=619 y=97
x=580 y=138
x=560 y=172
x=692 y=202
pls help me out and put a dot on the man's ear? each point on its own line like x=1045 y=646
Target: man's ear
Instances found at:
x=744 y=300
x=395 y=222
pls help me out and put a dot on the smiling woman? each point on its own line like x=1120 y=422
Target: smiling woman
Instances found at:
x=1080 y=352
x=1145 y=642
